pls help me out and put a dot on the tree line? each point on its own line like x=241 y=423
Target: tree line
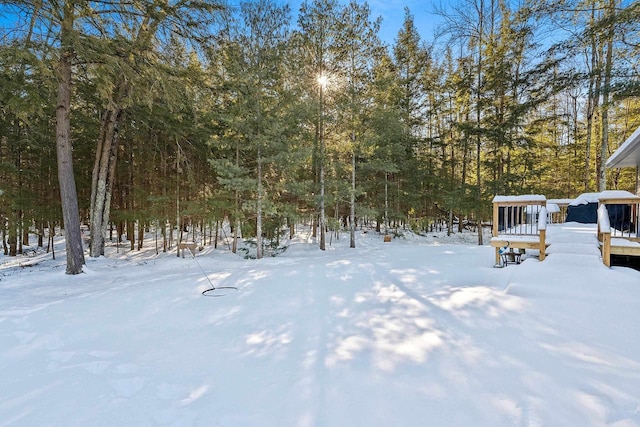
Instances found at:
x=126 y=116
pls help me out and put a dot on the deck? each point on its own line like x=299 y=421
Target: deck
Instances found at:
x=522 y=223
x=572 y=240
x=519 y=223
x=577 y=243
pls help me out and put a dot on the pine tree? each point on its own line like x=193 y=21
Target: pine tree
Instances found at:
x=318 y=28
x=68 y=193
x=358 y=45
x=412 y=65
x=128 y=56
x=384 y=141
x=255 y=58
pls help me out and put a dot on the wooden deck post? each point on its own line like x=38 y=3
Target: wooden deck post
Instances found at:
x=606 y=249
x=494 y=229
x=543 y=245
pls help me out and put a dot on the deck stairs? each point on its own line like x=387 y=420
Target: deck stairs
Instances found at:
x=573 y=242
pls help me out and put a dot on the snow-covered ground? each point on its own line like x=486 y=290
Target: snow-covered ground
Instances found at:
x=420 y=331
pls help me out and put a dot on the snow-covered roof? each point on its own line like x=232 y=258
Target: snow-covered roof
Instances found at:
x=628 y=154
x=585 y=198
x=522 y=198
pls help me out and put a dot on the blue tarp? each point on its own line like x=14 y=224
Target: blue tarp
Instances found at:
x=587 y=213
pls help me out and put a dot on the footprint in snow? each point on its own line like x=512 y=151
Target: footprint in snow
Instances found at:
x=128 y=387
x=127 y=369
x=171 y=391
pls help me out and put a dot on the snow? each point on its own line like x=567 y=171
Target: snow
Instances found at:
x=618 y=241
x=533 y=209
x=585 y=198
x=419 y=331
x=573 y=238
x=553 y=208
x=542 y=219
x=618 y=194
x=529 y=238
x=603 y=219
x=559 y=201
x=521 y=198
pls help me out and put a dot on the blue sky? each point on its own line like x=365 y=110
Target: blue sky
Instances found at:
x=392 y=12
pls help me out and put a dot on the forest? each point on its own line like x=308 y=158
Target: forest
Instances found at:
x=122 y=116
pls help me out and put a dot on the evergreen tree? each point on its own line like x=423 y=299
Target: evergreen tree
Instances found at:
x=358 y=45
x=128 y=56
x=255 y=56
x=318 y=28
x=412 y=64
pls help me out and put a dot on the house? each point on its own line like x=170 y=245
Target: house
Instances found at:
x=628 y=156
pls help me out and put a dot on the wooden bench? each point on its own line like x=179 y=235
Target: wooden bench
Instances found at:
x=187 y=245
x=519 y=222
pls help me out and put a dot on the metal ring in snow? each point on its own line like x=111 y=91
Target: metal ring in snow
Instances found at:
x=207 y=294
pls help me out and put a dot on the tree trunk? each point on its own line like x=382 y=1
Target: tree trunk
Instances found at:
x=322 y=155
x=52 y=235
x=64 y=150
x=386 y=204
x=13 y=236
x=236 y=229
x=259 y=209
x=5 y=248
x=606 y=88
x=131 y=234
x=352 y=201
x=236 y=235
x=102 y=180
x=164 y=237
x=140 y=235
x=41 y=233
x=592 y=102
x=25 y=231
x=478 y=124
x=463 y=178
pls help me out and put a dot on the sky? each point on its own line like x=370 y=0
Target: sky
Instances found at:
x=392 y=13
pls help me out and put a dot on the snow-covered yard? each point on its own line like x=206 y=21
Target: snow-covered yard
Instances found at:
x=416 y=332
